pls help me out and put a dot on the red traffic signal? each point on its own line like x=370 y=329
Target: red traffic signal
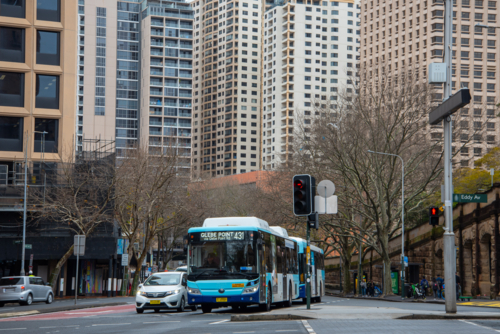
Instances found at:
x=433 y=216
x=303 y=196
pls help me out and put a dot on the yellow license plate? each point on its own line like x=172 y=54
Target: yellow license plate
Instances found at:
x=221 y=300
x=239 y=285
x=155 y=301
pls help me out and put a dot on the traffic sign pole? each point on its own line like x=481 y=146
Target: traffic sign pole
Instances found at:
x=308 y=276
x=77 y=259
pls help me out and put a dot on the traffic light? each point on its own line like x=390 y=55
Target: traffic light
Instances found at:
x=303 y=194
x=433 y=216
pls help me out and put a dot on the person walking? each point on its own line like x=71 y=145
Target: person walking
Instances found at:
x=424 y=285
x=457 y=285
x=440 y=283
x=435 y=288
x=363 y=288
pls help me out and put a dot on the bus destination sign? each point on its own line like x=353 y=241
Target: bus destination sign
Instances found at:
x=221 y=236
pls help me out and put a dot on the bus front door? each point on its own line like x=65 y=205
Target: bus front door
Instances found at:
x=262 y=271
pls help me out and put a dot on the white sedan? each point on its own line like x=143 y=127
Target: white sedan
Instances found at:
x=163 y=291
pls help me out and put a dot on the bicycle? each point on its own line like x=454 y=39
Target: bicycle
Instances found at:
x=376 y=291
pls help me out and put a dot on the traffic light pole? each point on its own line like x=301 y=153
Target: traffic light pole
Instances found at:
x=308 y=257
x=449 y=236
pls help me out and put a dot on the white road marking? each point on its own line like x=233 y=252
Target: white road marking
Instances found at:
x=60 y=326
x=471 y=323
x=242 y=332
x=286 y=330
x=111 y=324
x=11 y=329
x=158 y=322
x=90 y=312
x=308 y=327
x=219 y=322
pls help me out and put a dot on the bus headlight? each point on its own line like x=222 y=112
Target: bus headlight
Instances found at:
x=252 y=289
x=194 y=291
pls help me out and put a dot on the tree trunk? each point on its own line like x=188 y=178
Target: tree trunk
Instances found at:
x=387 y=276
x=346 y=266
x=57 y=270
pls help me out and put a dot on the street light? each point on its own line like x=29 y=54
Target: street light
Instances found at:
x=402 y=219
x=480 y=25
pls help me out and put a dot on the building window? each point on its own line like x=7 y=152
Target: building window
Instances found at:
x=48 y=10
x=47 y=92
x=12 y=44
x=12 y=8
x=47 y=48
x=11 y=89
x=11 y=134
x=50 y=126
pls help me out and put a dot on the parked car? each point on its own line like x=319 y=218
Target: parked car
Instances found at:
x=163 y=291
x=24 y=290
x=182 y=268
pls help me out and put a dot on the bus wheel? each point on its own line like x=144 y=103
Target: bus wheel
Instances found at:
x=320 y=294
x=206 y=309
x=289 y=302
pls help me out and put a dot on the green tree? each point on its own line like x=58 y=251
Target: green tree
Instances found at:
x=472 y=180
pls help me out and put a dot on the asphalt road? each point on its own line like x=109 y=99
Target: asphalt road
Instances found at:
x=14 y=307
x=124 y=319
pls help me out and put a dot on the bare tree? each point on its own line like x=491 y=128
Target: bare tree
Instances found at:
x=79 y=198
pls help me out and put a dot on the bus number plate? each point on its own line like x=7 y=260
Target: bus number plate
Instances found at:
x=239 y=285
x=155 y=301
x=221 y=300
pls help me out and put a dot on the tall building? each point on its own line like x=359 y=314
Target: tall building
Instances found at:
x=410 y=34
x=135 y=74
x=37 y=85
x=227 y=87
x=310 y=55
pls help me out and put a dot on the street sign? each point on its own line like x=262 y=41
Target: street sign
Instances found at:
x=326 y=188
x=28 y=246
x=124 y=260
x=330 y=202
x=451 y=105
x=406 y=261
x=18 y=241
x=470 y=198
x=79 y=248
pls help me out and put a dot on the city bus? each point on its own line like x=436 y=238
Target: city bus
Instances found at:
x=240 y=261
x=317 y=271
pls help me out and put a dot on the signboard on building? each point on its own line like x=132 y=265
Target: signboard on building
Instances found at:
x=124 y=260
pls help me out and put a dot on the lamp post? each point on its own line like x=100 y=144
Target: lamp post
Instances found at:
x=25 y=199
x=402 y=219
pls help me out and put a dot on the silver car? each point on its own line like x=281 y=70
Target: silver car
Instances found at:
x=163 y=291
x=24 y=290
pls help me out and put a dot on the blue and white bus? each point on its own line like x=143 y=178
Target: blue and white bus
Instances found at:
x=317 y=271
x=239 y=261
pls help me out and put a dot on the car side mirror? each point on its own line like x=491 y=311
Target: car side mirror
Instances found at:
x=140 y=286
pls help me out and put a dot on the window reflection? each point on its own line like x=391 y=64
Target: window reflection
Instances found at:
x=50 y=126
x=11 y=89
x=12 y=8
x=12 y=44
x=47 y=48
x=48 y=10
x=47 y=92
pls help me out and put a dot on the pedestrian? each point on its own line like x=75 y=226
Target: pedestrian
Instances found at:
x=440 y=283
x=363 y=288
x=424 y=284
x=435 y=288
x=370 y=290
x=457 y=285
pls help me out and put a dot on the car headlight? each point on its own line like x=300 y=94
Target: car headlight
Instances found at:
x=251 y=289
x=141 y=293
x=194 y=291
x=173 y=292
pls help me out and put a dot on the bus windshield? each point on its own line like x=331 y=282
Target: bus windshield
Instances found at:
x=222 y=258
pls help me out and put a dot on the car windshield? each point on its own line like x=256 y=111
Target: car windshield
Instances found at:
x=229 y=257
x=170 y=279
x=11 y=281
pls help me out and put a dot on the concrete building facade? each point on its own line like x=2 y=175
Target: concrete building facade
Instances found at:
x=227 y=87
x=311 y=49
x=404 y=35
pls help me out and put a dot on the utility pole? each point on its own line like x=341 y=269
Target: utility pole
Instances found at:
x=308 y=258
x=449 y=236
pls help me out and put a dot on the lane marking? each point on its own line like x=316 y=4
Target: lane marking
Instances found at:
x=111 y=324
x=308 y=327
x=158 y=322
x=12 y=329
x=242 y=332
x=60 y=326
x=286 y=330
x=218 y=322
x=471 y=323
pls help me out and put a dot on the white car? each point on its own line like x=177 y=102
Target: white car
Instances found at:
x=163 y=291
x=182 y=268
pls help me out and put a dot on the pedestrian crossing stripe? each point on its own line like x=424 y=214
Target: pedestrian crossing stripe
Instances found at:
x=488 y=304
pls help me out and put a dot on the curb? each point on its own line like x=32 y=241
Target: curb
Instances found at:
x=260 y=317
x=448 y=317
x=57 y=309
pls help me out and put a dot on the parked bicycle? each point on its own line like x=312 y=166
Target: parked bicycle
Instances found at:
x=376 y=291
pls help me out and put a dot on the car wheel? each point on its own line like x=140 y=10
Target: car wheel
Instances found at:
x=28 y=301
x=194 y=308
x=206 y=309
x=182 y=305
x=157 y=310
x=139 y=310
x=50 y=299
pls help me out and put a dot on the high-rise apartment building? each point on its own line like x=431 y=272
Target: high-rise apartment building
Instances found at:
x=227 y=87
x=135 y=74
x=37 y=85
x=405 y=35
x=310 y=55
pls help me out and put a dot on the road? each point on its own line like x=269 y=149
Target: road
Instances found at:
x=12 y=307
x=124 y=319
